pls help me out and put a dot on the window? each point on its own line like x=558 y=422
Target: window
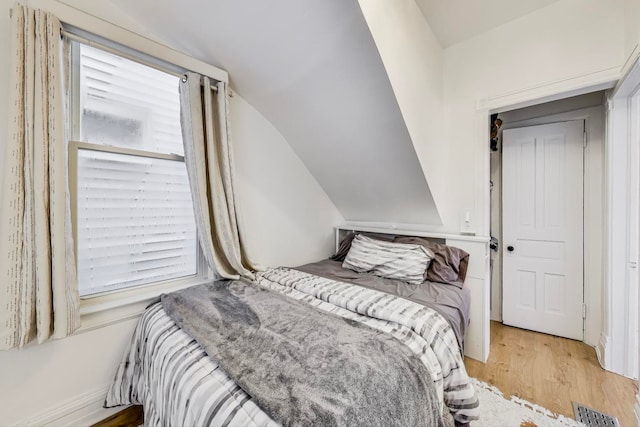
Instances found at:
x=131 y=202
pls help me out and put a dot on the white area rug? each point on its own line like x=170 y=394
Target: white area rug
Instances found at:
x=495 y=410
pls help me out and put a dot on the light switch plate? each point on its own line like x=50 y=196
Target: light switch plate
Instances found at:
x=466 y=224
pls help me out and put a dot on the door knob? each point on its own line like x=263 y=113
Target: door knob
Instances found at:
x=510 y=248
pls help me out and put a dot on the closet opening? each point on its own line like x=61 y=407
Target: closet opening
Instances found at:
x=547 y=220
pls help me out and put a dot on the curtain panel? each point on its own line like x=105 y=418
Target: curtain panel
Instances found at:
x=206 y=132
x=38 y=289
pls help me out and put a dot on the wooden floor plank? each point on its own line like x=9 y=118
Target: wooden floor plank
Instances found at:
x=551 y=372
x=129 y=417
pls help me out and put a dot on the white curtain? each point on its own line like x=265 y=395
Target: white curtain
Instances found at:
x=208 y=154
x=38 y=289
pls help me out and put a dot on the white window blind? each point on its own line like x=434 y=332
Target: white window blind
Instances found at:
x=134 y=216
x=127 y=104
x=135 y=221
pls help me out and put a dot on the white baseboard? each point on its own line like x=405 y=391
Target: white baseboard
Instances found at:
x=84 y=409
x=601 y=351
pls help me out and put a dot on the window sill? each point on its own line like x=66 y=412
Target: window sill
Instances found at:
x=105 y=310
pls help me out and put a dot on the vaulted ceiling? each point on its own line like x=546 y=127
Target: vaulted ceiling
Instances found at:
x=313 y=70
x=453 y=21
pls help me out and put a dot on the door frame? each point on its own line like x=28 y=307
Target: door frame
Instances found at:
x=593 y=215
x=618 y=347
x=487 y=104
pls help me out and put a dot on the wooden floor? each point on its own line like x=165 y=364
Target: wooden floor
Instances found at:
x=129 y=417
x=551 y=372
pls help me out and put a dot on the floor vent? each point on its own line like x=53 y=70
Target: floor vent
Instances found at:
x=592 y=418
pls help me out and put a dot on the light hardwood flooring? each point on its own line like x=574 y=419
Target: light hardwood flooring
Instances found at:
x=551 y=372
x=130 y=417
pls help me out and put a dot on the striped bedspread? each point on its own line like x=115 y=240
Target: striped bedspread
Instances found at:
x=167 y=371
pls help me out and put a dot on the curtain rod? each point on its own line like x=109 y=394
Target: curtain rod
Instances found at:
x=177 y=71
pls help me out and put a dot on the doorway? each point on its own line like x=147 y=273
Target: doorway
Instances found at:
x=587 y=109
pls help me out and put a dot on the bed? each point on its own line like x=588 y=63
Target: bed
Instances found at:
x=182 y=380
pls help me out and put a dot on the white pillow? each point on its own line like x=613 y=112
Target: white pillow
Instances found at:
x=401 y=261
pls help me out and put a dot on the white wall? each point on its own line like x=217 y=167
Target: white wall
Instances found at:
x=39 y=379
x=568 y=44
x=413 y=60
x=288 y=220
x=631 y=28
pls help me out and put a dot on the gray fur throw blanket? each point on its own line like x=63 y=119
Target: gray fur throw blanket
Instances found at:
x=304 y=366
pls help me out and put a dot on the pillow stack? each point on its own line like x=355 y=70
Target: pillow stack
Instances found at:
x=401 y=261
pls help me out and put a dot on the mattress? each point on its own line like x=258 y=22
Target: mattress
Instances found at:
x=450 y=301
x=178 y=383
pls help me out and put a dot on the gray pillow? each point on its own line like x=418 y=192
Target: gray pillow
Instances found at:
x=449 y=264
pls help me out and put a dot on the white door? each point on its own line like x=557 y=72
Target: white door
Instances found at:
x=542 y=223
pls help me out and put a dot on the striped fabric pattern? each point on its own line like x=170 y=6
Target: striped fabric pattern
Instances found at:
x=401 y=261
x=420 y=328
x=171 y=376
x=178 y=384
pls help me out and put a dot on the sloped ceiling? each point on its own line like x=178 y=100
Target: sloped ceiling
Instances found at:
x=313 y=70
x=453 y=21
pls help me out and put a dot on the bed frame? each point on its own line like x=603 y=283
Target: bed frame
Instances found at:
x=477 y=280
